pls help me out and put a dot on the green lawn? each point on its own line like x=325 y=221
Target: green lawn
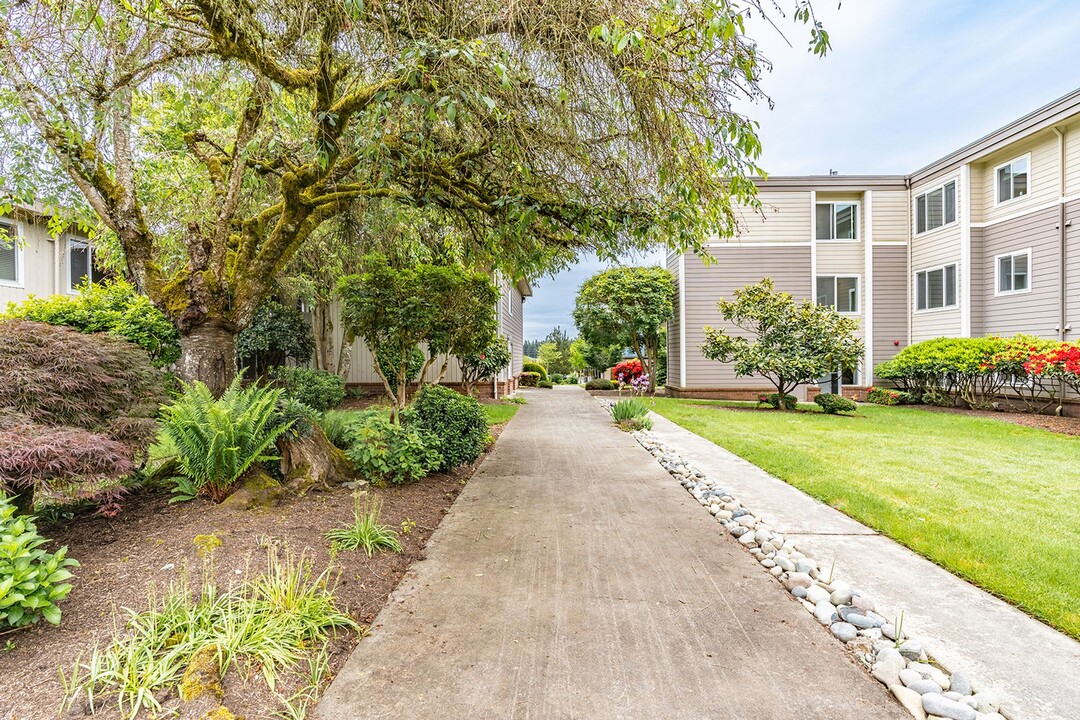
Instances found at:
x=994 y=502
x=499 y=413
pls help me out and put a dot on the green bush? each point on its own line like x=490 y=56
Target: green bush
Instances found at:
x=458 y=422
x=535 y=367
x=556 y=378
x=113 y=306
x=387 y=452
x=277 y=334
x=600 y=384
x=315 y=388
x=832 y=404
x=217 y=440
x=545 y=384
x=773 y=401
x=888 y=396
x=528 y=379
x=338 y=426
x=31 y=579
x=944 y=370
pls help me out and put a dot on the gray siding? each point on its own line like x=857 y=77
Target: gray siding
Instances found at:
x=1072 y=270
x=890 y=301
x=733 y=268
x=673 y=330
x=512 y=325
x=1036 y=312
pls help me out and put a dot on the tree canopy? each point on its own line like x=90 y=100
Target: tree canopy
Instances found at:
x=787 y=342
x=209 y=139
x=628 y=307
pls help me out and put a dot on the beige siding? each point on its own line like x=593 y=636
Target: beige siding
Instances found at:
x=929 y=250
x=512 y=326
x=1044 y=184
x=1072 y=158
x=784 y=217
x=1072 y=270
x=892 y=210
x=890 y=301
x=1035 y=312
x=673 y=333
x=37 y=265
x=789 y=269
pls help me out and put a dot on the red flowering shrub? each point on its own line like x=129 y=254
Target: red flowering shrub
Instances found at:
x=78 y=411
x=1061 y=362
x=627 y=370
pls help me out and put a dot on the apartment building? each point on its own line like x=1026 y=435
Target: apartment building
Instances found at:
x=979 y=242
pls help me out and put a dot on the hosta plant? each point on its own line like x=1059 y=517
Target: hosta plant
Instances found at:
x=32 y=580
x=217 y=440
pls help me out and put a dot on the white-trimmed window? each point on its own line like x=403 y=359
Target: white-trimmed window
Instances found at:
x=1013 y=179
x=510 y=298
x=935 y=288
x=81 y=265
x=1013 y=273
x=840 y=292
x=11 y=271
x=935 y=208
x=837 y=221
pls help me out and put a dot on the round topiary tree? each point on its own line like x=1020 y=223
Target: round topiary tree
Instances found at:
x=78 y=412
x=459 y=423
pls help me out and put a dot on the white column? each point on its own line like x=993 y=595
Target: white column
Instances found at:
x=682 y=320
x=965 y=251
x=868 y=290
x=813 y=245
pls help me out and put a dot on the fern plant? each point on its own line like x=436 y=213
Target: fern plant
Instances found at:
x=217 y=440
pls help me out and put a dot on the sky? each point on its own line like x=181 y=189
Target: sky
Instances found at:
x=906 y=82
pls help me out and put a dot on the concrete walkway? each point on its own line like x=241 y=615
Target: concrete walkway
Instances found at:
x=573 y=578
x=1034 y=669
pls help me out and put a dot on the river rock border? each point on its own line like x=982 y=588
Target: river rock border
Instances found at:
x=899 y=662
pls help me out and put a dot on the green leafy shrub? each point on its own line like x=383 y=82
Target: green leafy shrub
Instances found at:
x=31 y=578
x=535 y=367
x=113 y=306
x=219 y=439
x=389 y=360
x=300 y=418
x=338 y=426
x=545 y=384
x=943 y=370
x=773 y=401
x=276 y=334
x=888 y=396
x=831 y=404
x=485 y=364
x=556 y=378
x=366 y=532
x=529 y=379
x=600 y=384
x=315 y=388
x=458 y=422
x=384 y=451
x=78 y=412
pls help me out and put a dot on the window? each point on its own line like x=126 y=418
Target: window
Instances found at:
x=837 y=221
x=10 y=272
x=839 y=291
x=1012 y=179
x=81 y=266
x=935 y=208
x=510 y=298
x=935 y=289
x=1014 y=272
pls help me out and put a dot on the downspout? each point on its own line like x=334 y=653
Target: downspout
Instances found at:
x=867 y=288
x=1063 y=329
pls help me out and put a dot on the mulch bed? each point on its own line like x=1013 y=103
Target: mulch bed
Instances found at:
x=1053 y=423
x=151 y=543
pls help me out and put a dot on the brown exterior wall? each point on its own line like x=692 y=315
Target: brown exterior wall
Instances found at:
x=734 y=267
x=1036 y=312
x=890 y=289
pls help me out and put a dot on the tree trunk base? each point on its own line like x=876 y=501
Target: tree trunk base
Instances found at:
x=256 y=491
x=208 y=354
x=313 y=463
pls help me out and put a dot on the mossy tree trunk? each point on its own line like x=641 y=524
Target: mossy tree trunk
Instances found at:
x=313 y=462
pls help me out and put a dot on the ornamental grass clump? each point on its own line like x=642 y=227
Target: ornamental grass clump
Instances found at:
x=631 y=414
x=366 y=533
x=268 y=624
x=219 y=439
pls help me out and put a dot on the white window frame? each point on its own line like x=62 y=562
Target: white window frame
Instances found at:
x=833 y=203
x=997 y=199
x=915 y=287
x=510 y=298
x=956 y=206
x=998 y=292
x=858 y=291
x=71 y=290
x=16 y=232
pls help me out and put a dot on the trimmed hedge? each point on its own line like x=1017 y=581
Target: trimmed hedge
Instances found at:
x=600 y=384
x=545 y=384
x=886 y=396
x=831 y=404
x=535 y=367
x=528 y=379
